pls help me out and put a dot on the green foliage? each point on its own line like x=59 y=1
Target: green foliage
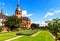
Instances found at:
x=41 y=36
x=27 y=32
x=5 y=36
x=0 y=28
x=58 y=36
x=13 y=22
x=54 y=25
x=43 y=28
x=59 y=30
x=15 y=30
x=34 y=26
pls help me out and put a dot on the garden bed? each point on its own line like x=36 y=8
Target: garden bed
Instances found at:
x=27 y=32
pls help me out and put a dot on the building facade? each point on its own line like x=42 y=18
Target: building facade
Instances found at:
x=26 y=22
x=2 y=17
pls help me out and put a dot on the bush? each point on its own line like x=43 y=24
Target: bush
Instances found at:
x=0 y=28
x=59 y=29
x=27 y=32
x=58 y=36
x=16 y=29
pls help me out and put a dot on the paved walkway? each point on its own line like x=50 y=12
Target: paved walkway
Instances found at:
x=13 y=38
x=21 y=36
x=58 y=40
x=35 y=34
x=52 y=35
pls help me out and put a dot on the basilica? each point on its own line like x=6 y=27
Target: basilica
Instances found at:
x=26 y=22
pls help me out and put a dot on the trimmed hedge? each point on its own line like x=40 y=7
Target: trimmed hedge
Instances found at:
x=0 y=28
x=27 y=32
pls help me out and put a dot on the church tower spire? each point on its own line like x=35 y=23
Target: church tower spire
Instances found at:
x=18 y=5
x=18 y=11
x=2 y=11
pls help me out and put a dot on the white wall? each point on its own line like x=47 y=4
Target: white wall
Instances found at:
x=1 y=22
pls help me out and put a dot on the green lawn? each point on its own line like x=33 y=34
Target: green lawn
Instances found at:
x=5 y=36
x=42 y=36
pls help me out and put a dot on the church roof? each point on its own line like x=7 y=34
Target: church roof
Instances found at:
x=25 y=18
x=18 y=9
x=3 y=16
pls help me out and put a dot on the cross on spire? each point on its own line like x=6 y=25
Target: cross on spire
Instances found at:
x=18 y=1
x=18 y=5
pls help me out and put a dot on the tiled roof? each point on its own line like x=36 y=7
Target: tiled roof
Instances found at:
x=25 y=18
x=3 y=16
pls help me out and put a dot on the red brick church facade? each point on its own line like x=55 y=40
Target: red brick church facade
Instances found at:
x=26 y=22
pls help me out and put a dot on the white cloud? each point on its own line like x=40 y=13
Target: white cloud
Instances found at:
x=25 y=14
x=52 y=13
x=40 y=23
x=37 y=22
x=43 y=24
x=50 y=19
x=6 y=14
x=28 y=15
x=57 y=11
x=48 y=14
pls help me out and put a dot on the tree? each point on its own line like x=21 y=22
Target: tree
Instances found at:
x=34 y=26
x=13 y=22
x=0 y=28
x=49 y=24
x=54 y=25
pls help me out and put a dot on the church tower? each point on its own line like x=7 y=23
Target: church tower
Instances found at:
x=2 y=11
x=18 y=11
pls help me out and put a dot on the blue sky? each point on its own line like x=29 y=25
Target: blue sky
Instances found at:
x=37 y=10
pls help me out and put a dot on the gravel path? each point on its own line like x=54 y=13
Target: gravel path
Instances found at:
x=52 y=35
x=35 y=34
x=22 y=36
